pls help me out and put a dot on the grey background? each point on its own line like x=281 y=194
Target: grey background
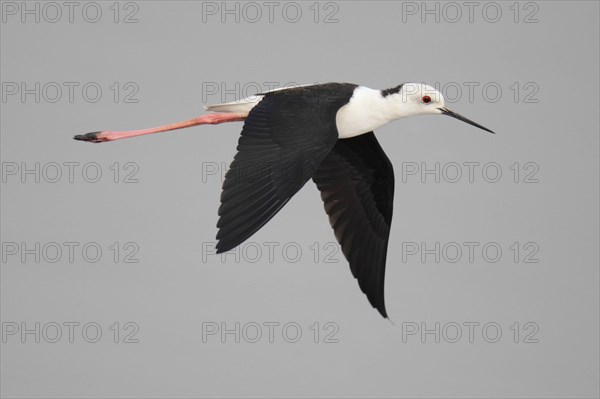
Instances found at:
x=170 y=53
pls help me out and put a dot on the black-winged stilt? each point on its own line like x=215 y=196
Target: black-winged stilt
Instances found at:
x=323 y=132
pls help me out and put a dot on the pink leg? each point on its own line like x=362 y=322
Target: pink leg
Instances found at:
x=111 y=135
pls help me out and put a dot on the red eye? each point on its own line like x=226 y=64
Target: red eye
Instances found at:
x=426 y=99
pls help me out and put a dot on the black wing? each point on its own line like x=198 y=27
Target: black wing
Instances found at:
x=356 y=181
x=284 y=139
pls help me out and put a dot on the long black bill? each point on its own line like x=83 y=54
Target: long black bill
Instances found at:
x=453 y=114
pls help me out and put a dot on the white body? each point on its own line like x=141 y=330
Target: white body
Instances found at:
x=367 y=109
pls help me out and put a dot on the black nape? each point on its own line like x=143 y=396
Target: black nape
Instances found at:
x=393 y=90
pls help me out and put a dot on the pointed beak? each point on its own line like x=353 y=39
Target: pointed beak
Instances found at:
x=453 y=114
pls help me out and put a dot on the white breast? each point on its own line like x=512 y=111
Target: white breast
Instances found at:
x=366 y=111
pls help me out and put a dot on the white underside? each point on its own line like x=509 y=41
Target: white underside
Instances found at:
x=366 y=111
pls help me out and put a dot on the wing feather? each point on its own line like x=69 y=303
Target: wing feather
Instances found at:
x=356 y=181
x=283 y=141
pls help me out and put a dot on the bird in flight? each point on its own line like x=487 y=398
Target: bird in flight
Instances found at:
x=323 y=132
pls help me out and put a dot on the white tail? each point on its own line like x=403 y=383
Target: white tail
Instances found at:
x=245 y=104
x=242 y=106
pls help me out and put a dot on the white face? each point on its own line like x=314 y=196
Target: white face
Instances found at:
x=420 y=99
